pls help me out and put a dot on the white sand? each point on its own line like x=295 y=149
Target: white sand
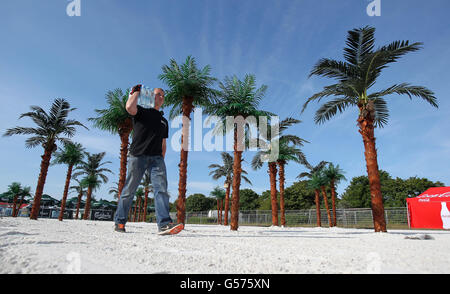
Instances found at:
x=75 y=246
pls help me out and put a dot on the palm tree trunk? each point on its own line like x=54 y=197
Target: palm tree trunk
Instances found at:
x=273 y=192
x=145 y=204
x=319 y=222
x=20 y=204
x=140 y=209
x=366 y=129
x=237 y=170
x=227 y=204
x=281 y=175
x=218 y=212
x=181 y=204
x=221 y=210
x=333 y=200
x=87 y=208
x=325 y=199
x=41 y=181
x=124 y=132
x=66 y=190
x=14 y=205
x=78 y=204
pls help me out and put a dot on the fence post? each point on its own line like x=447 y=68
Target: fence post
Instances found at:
x=345 y=218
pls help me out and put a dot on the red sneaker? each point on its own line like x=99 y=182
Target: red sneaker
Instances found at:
x=171 y=229
x=120 y=228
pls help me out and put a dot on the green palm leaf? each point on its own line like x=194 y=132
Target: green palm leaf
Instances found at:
x=187 y=80
x=359 y=73
x=51 y=127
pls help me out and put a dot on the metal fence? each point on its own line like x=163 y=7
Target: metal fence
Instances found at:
x=351 y=217
x=347 y=218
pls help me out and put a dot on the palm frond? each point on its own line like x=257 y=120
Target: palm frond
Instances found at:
x=343 y=89
x=330 y=109
x=381 y=58
x=406 y=89
x=381 y=112
x=246 y=179
x=334 y=69
x=360 y=43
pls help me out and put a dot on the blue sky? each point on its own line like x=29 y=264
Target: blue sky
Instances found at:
x=46 y=54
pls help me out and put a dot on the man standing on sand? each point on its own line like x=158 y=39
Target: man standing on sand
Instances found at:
x=147 y=151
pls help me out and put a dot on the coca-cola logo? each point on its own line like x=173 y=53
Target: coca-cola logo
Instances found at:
x=446 y=194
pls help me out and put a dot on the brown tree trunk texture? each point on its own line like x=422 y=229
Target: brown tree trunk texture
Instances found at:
x=281 y=175
x=325 y=199
x=87 y=208
x=333 y=200
x=319 y=222
x=79 y=204
x=273 y=192
x=145 y=204
x=41 y=181
x=366 y=129
x=124 y=133
x=66 y=190
x=140 y=209
x=221 y=210
x=237 y=170
x=227 y=204
x=20 y=205
x=14 y=205
x=187 y=107
x=218 y=212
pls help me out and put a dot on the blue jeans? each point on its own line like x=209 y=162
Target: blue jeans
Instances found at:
x=136 y=169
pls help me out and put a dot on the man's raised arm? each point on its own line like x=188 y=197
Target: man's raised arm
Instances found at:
x=132 y=100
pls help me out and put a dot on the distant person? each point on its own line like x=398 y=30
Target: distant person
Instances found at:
x=147 y=151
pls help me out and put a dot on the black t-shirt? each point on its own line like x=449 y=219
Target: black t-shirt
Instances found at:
x=149 y=129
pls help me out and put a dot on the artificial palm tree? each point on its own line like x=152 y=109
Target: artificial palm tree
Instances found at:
x=80 y=189
x=137 y=204
x=147 y=184
x=189 y=87
x=51 y=128
x=275 y=140
x=93 y=172
x=355 y=77
x=219 y=194
x=257 y=163
x=24 y=193
x=315 y=182
x=72 y=154
x=14 y=190
x=323 y=182
x=287 y=152
x=334 y=175
x=117 y=120
x=114 y=190
x=238 y=99
x=226 y=171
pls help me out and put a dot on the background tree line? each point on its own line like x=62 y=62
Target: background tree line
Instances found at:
x=299 y=196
